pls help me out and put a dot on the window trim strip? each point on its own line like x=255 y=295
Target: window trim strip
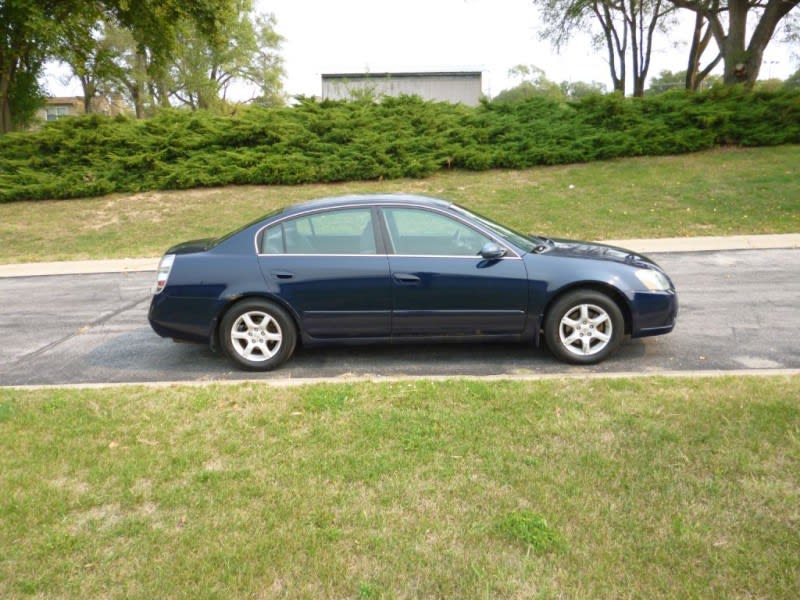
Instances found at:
x=379 y=205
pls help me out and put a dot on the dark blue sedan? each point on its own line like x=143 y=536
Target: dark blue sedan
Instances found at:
x=389 y=268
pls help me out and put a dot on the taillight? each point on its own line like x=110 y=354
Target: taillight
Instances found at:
x=164 y=267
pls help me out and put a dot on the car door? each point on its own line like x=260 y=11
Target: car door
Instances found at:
x=326 y=265
x=441 y=286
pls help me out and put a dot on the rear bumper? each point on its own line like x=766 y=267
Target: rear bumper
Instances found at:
x=185 y=319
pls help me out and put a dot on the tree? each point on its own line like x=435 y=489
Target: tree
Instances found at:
x=27 y=32
x=667 y=80
x=532 y=83
x=742 y=58
x=793 y=81
x=625 y=27
x=267 y=65
x=31 y=31
x=575 y=90
x=130 y=76
x=92 y=57
x=203 y=71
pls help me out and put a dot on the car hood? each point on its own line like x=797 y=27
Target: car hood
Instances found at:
x=192 y=246
x=578 y=249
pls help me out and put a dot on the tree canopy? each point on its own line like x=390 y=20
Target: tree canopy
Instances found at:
x=625 y=28
x=534 y=83
x=741 y=30
x=202 y=72
x=667 y=80
x=741 y=47
x=32 y=31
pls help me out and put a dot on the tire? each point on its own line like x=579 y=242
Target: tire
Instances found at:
x=584 y=327
x=258 y=335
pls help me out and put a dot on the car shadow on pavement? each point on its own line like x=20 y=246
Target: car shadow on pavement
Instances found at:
x=140 y=356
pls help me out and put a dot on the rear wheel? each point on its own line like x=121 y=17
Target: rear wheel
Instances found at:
x=258 y=335
x=584 y=327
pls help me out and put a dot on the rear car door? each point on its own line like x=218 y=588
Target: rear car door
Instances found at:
x=441 y=286
x=326 y=265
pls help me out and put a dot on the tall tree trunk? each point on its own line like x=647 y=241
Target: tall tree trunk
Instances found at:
x=773 y=13
x=8 y=70
x=734 y=43
x=632 y=23
x=695 y=52
x=616 y=48
x=88 y=94
x=647 y=40
x=5 y=116
x=742 y=61
x=638 y=85
x=138 y=101
x=138 y=84
x=700 y=40
x=5 y=105
x=163 y=94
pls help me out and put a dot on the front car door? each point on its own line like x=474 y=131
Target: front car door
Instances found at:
x=441 y=286
x=326 y=265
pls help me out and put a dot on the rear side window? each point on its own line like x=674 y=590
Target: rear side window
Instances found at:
x=345 y=231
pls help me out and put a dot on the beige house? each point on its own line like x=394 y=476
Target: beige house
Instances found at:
x=67 y=106
x=58 y=107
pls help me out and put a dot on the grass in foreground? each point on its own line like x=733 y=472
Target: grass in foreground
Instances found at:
x=719 y=192
x=646 y=488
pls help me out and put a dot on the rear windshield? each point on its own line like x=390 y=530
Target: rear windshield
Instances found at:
x=229 y=235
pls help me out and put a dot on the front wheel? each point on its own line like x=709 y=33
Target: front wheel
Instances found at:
x=584 y=327
x=258 y=335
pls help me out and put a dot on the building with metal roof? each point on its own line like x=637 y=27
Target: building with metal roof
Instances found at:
x=446 y=86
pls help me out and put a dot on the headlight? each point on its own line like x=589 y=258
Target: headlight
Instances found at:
x=653 y=280
x=164 y=267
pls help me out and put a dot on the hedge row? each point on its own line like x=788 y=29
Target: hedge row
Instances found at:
x=398 y=137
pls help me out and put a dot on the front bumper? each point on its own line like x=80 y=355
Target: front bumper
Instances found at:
x=653 y=313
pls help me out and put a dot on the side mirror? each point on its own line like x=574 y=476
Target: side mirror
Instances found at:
x=492 y=251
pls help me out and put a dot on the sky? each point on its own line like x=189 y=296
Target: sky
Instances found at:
x=491 y=36
x=430 y=35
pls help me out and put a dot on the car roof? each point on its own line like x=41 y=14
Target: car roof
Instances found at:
x=367 y=199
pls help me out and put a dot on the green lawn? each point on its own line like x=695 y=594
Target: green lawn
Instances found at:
x=719 y=192
x=645 y=488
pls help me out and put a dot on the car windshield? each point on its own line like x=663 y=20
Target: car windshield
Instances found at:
x=221 y=239
x=524 y=242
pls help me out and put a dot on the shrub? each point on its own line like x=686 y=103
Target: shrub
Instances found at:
x=398 y=137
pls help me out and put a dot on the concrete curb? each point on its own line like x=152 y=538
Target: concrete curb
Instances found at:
x=655 y=246
x=79 y=267
x=711 y=244
x=285 y=382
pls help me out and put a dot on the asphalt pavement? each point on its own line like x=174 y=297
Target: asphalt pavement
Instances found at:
x=738 y=312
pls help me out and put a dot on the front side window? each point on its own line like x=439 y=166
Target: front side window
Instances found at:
x=345 y=231
x=511 y=236
x=419 y=232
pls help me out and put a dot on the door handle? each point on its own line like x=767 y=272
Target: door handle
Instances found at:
x=282 y=274
x=407 y=278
